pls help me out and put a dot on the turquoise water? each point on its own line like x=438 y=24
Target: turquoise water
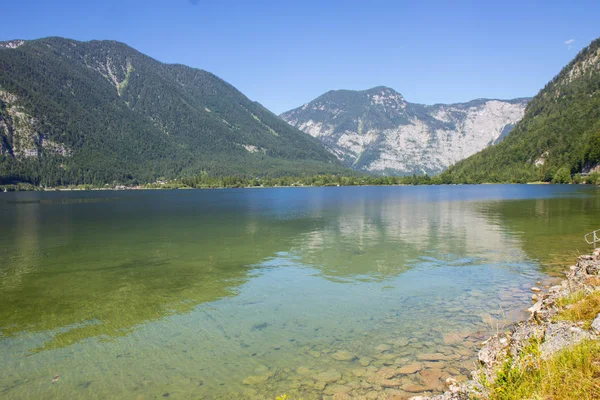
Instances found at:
x=252 y=293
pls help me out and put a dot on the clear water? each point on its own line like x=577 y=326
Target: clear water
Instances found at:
x=186 y=294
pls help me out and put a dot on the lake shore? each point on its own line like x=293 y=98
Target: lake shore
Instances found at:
x=31 y=188
x=560 y=340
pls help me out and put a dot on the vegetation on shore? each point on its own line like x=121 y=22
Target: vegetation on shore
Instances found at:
x=90 y=113
x=205 y=181
x=559 y=136
x=572 y=373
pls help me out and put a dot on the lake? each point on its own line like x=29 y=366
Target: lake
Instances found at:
x=253 y=293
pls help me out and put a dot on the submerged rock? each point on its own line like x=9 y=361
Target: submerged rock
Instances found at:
x=383 y=347
x=410 y=369
x=365 y=361
x=387 y=372
x=399 y=342
x=414 y=388
x=343 y=355
x=433 y=379
x=333 y=389
x=432 y=357
x=256 y=379
x=328 y=376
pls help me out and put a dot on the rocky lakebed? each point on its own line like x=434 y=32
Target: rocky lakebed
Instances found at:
x=458 y=366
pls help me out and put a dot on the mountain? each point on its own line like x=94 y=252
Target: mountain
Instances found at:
x=98 y=112
x=377 y=130
x=558 y=136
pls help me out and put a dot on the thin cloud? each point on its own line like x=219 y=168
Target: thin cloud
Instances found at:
x=569 y=43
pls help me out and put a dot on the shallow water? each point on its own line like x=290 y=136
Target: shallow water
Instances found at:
x=186 y=294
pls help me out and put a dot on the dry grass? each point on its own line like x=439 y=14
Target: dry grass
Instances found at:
x=584 y=309
x=593 y=280
x=573 y=373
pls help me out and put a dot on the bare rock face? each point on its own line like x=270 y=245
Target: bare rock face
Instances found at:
x=560 y=335
x=523 y=334
x=377 y=130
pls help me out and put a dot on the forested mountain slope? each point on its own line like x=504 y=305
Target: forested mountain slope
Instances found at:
x=378 y=131
x=101 y=112
x=558 y=136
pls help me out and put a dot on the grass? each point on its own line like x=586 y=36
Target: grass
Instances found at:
x=581 y=308
x=593 y=280
x=570 y=299
x=573 y=373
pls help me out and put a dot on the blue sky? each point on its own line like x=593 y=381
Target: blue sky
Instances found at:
x=284 y=54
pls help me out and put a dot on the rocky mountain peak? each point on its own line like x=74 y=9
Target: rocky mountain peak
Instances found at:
x=11 y=44
x=377 y=130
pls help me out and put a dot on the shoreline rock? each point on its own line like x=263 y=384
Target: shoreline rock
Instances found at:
x=551 y=335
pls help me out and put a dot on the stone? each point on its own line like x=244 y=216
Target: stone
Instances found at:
x=383 y=347
x=493 y=351
x=319 y=385
x=343 y=355
x=302 y=371
x=387 y=372
x=314 y=353
x=386 y=356
x=432 y=357
x=434 y=364
x=414 y=388
x=522 y=336
x=596 y=325
x=256 y=379
x=560 y=335
x=375 y=379
x=432 y=378
x=365 y=361
x=390 y=383
x=450 y=381
x=400 y=342
x=454 y=338
x=328 y=376
x=410 y=369
x=536 y=289
x=333 y=389
x=341 y=396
